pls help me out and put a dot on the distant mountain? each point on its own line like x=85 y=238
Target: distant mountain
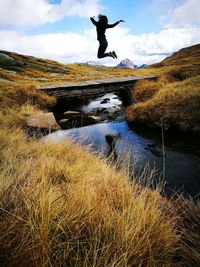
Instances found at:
x=126 y=63
x=140 y=66
x=93 y=63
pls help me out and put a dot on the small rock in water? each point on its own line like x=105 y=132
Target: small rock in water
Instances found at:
x=105 y=101
x=78 y=120
x=62 y=121
x=96 y=118
x=70 y=113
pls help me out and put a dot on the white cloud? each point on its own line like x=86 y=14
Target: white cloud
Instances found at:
x=186 y=15
x=38 y=12
x=151 y=47
x=66 y=48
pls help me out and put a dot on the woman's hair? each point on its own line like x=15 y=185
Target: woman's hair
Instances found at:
x=103 y=19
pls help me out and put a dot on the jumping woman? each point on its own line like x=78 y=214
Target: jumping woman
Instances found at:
x=101 y=26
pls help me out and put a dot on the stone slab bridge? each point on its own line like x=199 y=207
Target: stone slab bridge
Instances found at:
x=93 y=88
x=68 y=93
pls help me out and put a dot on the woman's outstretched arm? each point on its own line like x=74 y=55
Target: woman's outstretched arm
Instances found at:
x=114 y=24
x=93 y=21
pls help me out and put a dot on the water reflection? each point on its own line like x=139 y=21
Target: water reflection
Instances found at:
x=111 y=141
x=145 y=146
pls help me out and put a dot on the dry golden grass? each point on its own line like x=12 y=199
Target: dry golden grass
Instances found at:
x=13 y=96
x=144 y=90
x=57 y=210
x=60 y=205
x=174 y=99
x=189 y=251
x=174 y=104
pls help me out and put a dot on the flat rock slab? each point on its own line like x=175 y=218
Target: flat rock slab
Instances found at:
x=92 y=87
x=44 y=121
x=71 y=113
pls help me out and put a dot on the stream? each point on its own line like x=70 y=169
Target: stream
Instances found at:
x=112 y=134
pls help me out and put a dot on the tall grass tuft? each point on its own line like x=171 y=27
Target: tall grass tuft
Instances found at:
x=13 y=96
x=188 y=253
x=174 y=99
x=175 y=104
x=61 y=206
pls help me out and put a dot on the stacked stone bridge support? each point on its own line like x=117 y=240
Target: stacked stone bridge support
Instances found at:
x=70 y=93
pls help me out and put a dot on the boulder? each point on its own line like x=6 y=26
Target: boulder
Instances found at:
x=55 y=70
x=38 y=67
x=14 y=68
x=44 y=121
x=7 y=62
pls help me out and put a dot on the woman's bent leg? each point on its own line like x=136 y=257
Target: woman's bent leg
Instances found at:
x=102 y=48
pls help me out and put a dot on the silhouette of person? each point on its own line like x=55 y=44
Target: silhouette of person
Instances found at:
x=101 y=26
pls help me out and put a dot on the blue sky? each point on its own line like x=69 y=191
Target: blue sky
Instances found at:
x=141 y=16
x=61 y=29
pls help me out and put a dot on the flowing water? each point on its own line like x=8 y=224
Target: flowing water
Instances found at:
x=180 y=166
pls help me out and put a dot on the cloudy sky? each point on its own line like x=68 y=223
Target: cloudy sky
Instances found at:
x=61 y=29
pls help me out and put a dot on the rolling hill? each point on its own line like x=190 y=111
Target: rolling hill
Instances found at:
x=174 y=99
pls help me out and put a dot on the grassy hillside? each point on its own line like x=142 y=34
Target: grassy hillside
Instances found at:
x=174 y=99
x=31 y=70
x=60 y=205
